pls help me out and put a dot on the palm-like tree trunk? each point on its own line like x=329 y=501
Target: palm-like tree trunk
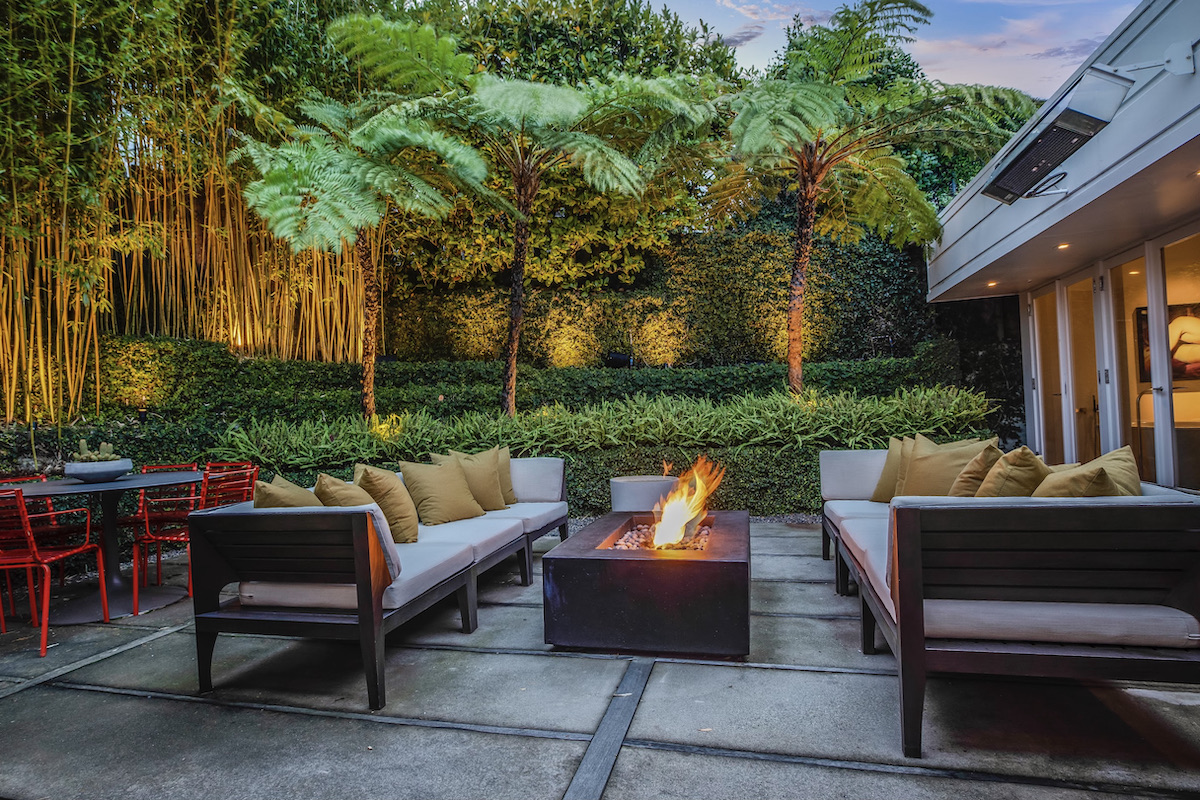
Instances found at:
x=526 y=186
x=806 y=217
x=362 y=248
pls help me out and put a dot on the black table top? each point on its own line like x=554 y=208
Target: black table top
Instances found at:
x=136 y=480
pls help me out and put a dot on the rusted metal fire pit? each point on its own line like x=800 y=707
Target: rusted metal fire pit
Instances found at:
x=661 y=601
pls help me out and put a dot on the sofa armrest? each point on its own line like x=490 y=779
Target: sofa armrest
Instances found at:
x=850 y=474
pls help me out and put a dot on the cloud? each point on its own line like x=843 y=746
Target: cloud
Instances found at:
x=744 y=35
x=1034 y=53
x=778 y=12
x=1074 y=52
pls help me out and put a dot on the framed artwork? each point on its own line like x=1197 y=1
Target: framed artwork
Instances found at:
x=1183 y=331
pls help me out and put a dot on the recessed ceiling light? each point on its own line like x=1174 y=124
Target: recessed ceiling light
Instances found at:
x=991 y=284
x=1134 y=272
x=1064 y=246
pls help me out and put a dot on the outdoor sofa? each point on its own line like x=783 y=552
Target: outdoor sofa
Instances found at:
x=1099 y=588
x=334 y=572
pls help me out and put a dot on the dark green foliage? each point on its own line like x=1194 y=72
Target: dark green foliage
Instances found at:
x=570 y=41
x=179 y=379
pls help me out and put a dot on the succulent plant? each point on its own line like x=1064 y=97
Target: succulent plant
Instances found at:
x=103 y=453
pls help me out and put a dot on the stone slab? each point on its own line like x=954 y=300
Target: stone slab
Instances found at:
x=565 y=694
x=67 y=644
x=790 y=568
x=500 y=627
x=134 y=748
x=811 y=642
x=1060 y=731
x=793 y=545
x=800 y=598
x=650 y=774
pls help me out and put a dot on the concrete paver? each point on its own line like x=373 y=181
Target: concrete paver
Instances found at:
x=498 y=713
x=71 y=744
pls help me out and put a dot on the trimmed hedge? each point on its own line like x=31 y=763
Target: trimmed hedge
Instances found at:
x=198 y=380
x=710 y=299
x=767 y=443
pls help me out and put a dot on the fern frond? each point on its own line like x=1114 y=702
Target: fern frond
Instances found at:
x=603 y=167
x=409 y=57
x=523 y=104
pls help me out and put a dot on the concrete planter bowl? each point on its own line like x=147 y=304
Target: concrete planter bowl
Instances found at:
x=97 y=471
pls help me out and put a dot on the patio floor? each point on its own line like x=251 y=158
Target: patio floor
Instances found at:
x=112 y=712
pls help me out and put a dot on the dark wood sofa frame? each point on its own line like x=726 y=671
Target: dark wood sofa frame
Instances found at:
x=1073 y=553
x=311 y=548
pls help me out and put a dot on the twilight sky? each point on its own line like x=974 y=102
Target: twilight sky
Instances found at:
x=1033 y=45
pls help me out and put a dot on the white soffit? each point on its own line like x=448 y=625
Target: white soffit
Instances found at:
x=1136 y=179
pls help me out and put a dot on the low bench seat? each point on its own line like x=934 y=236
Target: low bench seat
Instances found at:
x=1101 y=588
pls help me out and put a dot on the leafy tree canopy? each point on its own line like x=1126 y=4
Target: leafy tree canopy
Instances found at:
x=570 y=41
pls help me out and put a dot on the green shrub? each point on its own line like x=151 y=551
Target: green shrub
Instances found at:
x=767 y=443
x=195 y=380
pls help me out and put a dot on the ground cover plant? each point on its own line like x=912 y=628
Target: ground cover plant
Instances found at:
x=768 y=442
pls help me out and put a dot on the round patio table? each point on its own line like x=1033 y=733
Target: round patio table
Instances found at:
x=120 y=589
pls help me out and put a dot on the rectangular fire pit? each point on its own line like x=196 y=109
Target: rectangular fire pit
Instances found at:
x=659 y=601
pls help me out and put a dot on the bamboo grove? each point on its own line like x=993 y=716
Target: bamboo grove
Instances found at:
x=118 y=211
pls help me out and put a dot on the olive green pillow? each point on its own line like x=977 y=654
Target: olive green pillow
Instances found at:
x=968 y=481
x=1122 y=468
x=506 y=486
x=1015 y=474
x=336 y=492
x=483 y=476
x=282 y=493
x=1082 y=481
x=885 y=490
x=440 y=491
x=906 y=449
x=389 y=492
x=933 y=468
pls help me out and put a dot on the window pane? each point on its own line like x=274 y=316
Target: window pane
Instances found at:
x=1133 y=361
x=1181 y=265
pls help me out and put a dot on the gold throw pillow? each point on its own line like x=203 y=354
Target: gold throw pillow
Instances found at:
x=968 y=481
x=1122 y=468
x=933 y=468
x=336 y=492
x=906 y=449
x=886 y=488
x=1015 y=474
x=506 y=486
x=282 y=493
x=483 y=476
x=389 y=492
x=440 y=491
x=1082 y=481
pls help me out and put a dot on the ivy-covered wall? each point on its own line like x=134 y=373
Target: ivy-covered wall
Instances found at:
x=712 y=298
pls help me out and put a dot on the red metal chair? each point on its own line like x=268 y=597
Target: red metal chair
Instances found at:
x=138 y=520
x=229 y=466
x=19 y=549
x=166 y=518
x=52 y=534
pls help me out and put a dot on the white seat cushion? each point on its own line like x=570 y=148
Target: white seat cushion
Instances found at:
x=534 y=516
x=867 y=539
x=537 y=480
x=426 y=564
x=840 y=510
x=485 y=534
x=1066 y=623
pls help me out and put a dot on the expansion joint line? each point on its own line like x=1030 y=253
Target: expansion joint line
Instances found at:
x=601 y=755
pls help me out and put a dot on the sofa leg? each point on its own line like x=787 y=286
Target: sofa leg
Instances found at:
x=841 y=574
x=912 y=705
x=206 y=642
x=824 y=544
x=868 y=626
x=371 y=642
x=468 y=605
x=525 y=562
x=562 y=532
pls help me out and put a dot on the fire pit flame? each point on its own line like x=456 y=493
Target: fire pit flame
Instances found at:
x=679 y=514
